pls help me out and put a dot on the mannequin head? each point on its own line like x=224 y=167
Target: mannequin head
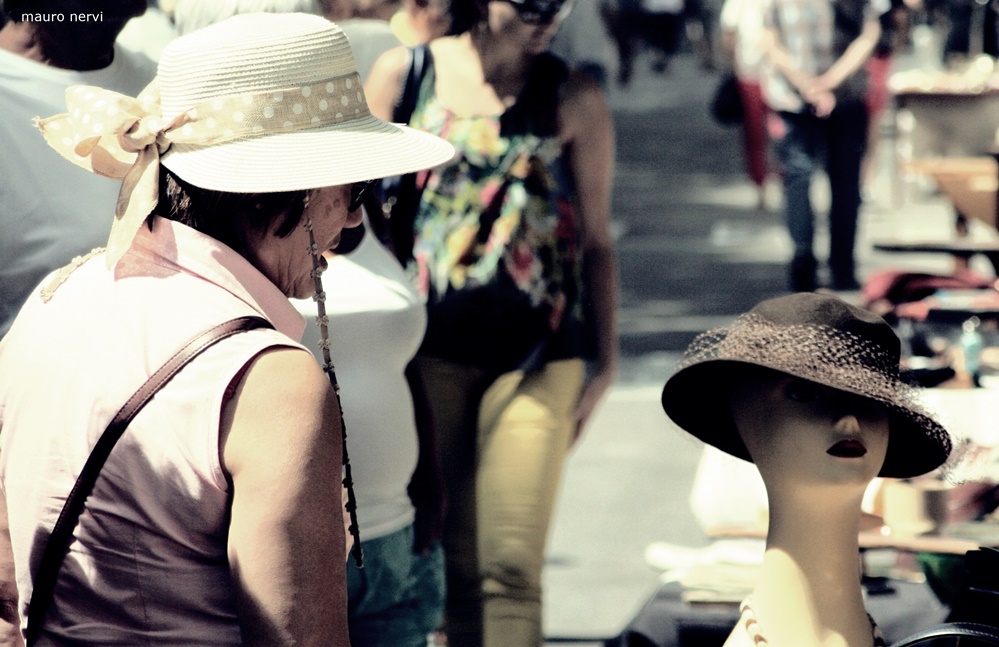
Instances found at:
x=802 y=433
x=845 y=365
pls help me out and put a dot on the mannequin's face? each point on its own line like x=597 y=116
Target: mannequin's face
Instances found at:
x=804 y=433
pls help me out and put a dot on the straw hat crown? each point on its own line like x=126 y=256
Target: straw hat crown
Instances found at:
x=290 y=80
x=251 y=53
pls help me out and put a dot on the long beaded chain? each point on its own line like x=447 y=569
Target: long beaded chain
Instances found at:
x=324 y=344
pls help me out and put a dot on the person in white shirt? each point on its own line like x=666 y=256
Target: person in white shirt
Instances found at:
x=51 y=211
x=376 y=322
x=742 y=33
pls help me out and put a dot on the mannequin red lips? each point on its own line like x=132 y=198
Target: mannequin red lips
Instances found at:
x=848 y=448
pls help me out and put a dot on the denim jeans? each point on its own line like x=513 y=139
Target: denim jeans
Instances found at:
x=842 y=139
x=398 y=597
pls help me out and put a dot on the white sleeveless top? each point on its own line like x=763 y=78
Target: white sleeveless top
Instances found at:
x=148 y=562
x=376 y=324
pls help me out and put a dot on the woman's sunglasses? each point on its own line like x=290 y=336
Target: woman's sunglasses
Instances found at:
x=541 y=12
x=358 y=192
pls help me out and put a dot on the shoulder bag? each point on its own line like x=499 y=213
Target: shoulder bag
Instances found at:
x=726 y=104
x=58 y=543
x=400 y=195
x=974 y=615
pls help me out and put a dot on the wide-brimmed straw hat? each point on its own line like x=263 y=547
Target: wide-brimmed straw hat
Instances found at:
x=253 y=104
x=814 y=337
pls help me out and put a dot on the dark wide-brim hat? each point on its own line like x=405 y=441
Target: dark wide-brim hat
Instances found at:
x=815 y=337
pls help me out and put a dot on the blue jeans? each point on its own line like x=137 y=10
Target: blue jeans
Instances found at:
x=398 y=597
x=842 y=137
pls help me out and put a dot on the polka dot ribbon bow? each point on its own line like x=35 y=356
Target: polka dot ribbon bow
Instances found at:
x=121 y=137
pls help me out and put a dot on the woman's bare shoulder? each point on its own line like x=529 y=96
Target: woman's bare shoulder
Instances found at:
x=582 y=105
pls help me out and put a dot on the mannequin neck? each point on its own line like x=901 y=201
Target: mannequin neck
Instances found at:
x=809 y=591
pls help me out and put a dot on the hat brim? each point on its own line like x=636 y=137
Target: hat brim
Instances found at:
x=362 y=149
x=917 y=444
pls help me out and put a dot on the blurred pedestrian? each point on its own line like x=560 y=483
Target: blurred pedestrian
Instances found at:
x=513 y=255
x=192 y=15
x=51 y=211
x=150 y=32
x=817 y=50
x=420 y=21
x=973 y=29
x=661 y=24
x=700 y=19
x=366 y=23
x=894 y=33
x=742 y=34
x=582 y=41
x=217 y=516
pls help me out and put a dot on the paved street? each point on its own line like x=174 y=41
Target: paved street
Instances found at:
x=693 y=252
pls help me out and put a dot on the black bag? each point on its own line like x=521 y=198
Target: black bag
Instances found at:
x=974 y=613
x=400 y=195
x=726 y=105
x=977 y=634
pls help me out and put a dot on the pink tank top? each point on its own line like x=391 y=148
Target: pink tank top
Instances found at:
x=148 y=561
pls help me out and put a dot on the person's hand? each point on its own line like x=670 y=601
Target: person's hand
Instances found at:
x=426 y=491
x=822 y=103
x=593 y=392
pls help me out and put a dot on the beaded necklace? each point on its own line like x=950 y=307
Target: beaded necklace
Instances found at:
x=748 y=621
x=322 y=320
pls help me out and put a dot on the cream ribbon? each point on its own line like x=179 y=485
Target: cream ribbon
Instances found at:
x=121 y=137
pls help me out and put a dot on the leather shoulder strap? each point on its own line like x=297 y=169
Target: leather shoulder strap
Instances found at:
x=420 y=61
x=58 y=543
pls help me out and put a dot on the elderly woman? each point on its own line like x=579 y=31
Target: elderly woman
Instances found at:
x=216 y=518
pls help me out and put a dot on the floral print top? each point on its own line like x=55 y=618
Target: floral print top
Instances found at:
x=498 y=222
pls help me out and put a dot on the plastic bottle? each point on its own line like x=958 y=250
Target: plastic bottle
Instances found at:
x=971 y=345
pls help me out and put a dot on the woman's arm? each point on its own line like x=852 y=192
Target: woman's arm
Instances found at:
x=853 y=58
x=426 y=487
x=384 y=84
x=10 y=620
x=281 y=445
x=588 y=136
x=782 y=61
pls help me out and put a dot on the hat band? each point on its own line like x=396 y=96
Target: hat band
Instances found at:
x=123 y=137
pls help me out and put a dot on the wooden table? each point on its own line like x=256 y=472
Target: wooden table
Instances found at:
x=970 y=183
x=963 y=248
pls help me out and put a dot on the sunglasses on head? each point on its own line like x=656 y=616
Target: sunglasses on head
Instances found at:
x=358 y=192
x=541 y=12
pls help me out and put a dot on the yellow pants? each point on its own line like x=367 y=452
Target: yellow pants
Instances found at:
x=503 y=442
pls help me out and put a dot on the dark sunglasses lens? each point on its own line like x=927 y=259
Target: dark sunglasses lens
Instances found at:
x=534 y=12
x=358 y=190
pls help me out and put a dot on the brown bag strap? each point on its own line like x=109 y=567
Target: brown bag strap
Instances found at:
x=58 y=543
